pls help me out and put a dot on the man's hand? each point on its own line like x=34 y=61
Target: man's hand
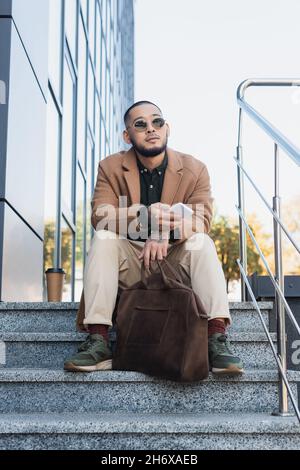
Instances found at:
x=154 y=249
x=165 y=219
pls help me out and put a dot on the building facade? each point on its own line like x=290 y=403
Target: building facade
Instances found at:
x=67 y=77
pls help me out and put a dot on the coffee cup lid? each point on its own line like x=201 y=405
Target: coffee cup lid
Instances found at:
x=55 y=270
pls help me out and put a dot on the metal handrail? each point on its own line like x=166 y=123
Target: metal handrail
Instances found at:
x=283 y=142
x=278 y=280
x=289 y=236
x=270 y=341
x=276 y=286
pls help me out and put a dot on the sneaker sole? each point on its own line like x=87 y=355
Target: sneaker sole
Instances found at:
x=231 y=370
x=103 y=365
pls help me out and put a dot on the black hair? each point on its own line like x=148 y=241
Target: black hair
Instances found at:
x=137 y=103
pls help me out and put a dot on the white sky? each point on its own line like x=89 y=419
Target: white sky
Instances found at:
x=190 y=56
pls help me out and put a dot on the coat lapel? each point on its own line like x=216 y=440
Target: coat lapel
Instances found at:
x=132 y=176
x=172 y=178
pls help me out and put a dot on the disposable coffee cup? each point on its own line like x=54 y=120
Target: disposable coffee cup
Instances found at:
x=55 y=282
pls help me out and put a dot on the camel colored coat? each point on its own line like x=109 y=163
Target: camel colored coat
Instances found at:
x=186 y=180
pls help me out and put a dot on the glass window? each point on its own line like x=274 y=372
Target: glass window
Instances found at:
x=117 y=137
x=118 y=47
x=108 y=34
x=112 y=134
x=107 y=149
x=120 y=11
x=107 y=100
x=92 y=28
x=68 y=137
x=103 y=73
x=97 y=133
x=118 y=99
x=115 y=132
x=108 y=3
x=111 y=67
x=87 y=107
x=112 y=7
x=111 y=45
x=66 y=259
x=98 y=47
x=115 y=23
x=103 y=16
x=91 y=96
x=113 y=72
x=89 y=189
x=55 y=39
x=80 y=230
x=70 y=25
x=84 y=8
x=51 y=184
x=102 y=141
x=81 y=97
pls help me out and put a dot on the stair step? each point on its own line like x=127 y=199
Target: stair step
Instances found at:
x=51 y=349
x=60 y=316
x=44 y=407
x=44 y=390
x=148 y=431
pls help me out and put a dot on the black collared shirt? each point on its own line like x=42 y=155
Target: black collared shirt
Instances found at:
x=151 y=185
x=151 y=182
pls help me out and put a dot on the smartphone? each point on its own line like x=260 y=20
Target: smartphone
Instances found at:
x=181 y=209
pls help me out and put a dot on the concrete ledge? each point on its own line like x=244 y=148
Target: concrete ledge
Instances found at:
x=241 y=336
x=41 y=391
x=60 y=317
x=48 y=375
x=75 y=305
x=123 y=422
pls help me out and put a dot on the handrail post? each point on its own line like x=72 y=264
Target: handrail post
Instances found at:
x=280 y=312
x=281 y=305
x=241 y=205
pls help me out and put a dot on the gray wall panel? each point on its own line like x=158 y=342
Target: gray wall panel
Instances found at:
x=22 y=261
x=1 y=241
x=5 y=33
x=31 y=19
x=5 y=7
x=26 y=140
x=24 y=65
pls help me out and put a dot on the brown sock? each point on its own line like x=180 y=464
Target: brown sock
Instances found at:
x=216 y=326
x=99 y=330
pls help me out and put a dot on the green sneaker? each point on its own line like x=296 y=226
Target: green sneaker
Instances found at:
x=221 y=358
x=93 y=354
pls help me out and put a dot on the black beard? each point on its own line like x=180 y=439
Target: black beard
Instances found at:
x=149 y=152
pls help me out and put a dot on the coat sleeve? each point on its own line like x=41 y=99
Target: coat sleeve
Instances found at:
x=106 y=212
x=201 y=201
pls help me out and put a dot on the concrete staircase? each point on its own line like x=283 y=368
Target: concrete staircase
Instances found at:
x=43 y=407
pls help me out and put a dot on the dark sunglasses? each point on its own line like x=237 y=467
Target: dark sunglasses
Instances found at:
x=141 y=125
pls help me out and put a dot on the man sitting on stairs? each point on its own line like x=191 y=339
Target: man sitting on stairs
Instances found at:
x=152 y=176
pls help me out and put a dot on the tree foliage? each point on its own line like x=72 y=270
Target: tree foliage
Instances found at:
x=226 y=238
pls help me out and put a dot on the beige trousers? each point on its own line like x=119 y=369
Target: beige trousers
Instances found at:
x=112 y=261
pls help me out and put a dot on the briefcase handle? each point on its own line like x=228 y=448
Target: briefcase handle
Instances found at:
x=167 y=271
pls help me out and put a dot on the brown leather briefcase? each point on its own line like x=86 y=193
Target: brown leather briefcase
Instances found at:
x=161 y=327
